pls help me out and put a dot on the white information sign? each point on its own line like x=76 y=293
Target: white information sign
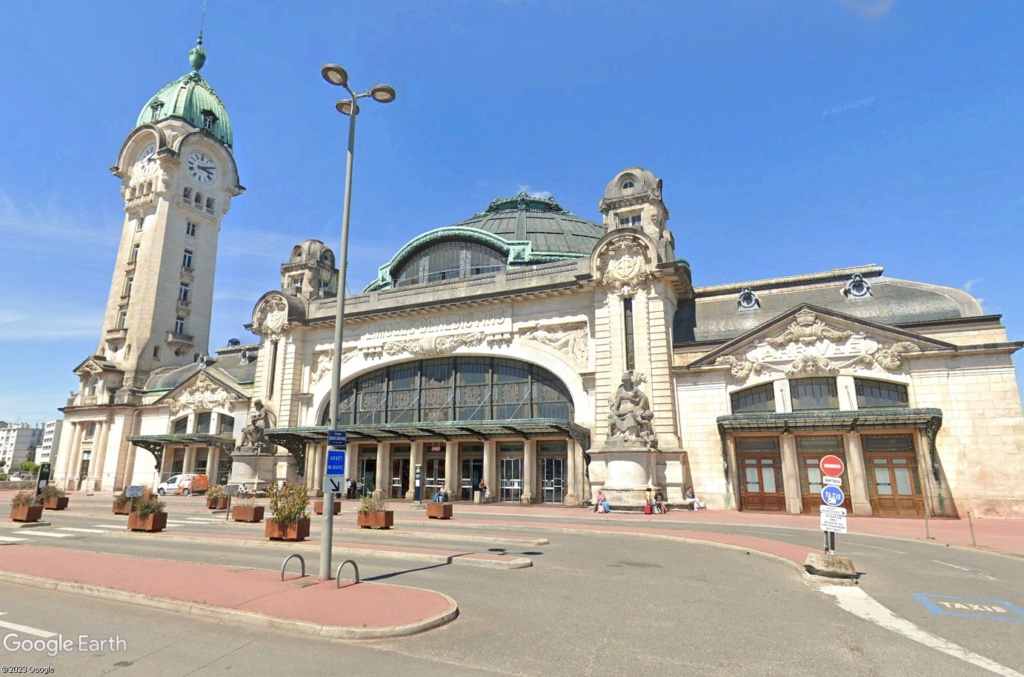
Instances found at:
x=833 y=521
x=834 y=481
x=333 y=484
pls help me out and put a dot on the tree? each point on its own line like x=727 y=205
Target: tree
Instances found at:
x=28 y=467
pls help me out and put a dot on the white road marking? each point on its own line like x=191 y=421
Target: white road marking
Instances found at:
x=111 y=526
x=83 y=531
x=48 y=534
x=966 y=569
x=860 y=604
x=27 y=630
x=9 y=539
x=878 y=547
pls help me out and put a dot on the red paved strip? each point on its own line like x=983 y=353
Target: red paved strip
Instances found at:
x=372 y=605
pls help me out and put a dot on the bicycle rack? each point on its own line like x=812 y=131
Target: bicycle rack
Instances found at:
x=288 y=559
x=337 y=576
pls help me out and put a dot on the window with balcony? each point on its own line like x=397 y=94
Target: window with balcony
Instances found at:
x=134 y=256
x=128 y=282
x=179 y=325
x=184 y=292
x=186 y=259
x=122 y=318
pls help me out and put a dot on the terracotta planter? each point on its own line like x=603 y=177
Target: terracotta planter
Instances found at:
x=57 y=503
x=123 y=509
x=217 y=503
x=297 y=530
x=318 y=507
x=382 y=519
x=441 y=511
x=26 y=513
x=247 y=513
x=152 y=523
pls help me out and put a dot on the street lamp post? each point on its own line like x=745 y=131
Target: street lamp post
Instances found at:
x=336 y=75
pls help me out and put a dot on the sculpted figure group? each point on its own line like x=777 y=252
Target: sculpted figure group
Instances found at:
x=630 y=415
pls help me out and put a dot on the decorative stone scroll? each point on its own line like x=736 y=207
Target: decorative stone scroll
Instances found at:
x=809 y=347
x=271 y=318
x=569 y=339
x=204 y=395
x=433 y=345
x=624 y=267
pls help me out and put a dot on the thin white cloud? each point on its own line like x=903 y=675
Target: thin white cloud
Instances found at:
x=53 y=221
x=540 y=194
x=969 y=285
x=55 y=324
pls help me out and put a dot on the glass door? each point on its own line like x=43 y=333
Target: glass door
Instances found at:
x=810 y=451
x=433 y=477
x=472 y=473
x=511 y=479
x=367 y=475
x=399 y=477
x=760 y=474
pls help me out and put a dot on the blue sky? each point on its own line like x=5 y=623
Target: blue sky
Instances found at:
x=792 y=137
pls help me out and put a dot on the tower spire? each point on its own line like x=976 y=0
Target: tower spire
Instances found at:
x=196 y=55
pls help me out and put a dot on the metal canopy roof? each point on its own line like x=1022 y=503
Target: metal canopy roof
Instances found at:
x=888 y=417
x=534 y=427
x=155 y=444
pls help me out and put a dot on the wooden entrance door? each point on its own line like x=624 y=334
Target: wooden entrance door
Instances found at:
x=893 y=485
x=810 y=484
x=761 y=483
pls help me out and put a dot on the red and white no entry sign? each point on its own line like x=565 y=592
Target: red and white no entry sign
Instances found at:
x=831 y=465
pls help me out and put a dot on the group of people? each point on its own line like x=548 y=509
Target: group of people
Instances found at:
x=655 y=500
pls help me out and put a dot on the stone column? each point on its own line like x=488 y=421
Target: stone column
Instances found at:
x=213 y=463
x=74 y=442
x=491 y=468
x=451 y=469
x=415 y=456
x=529 y=471
x=383 y=471
x=129 y=467
x=856 y=474
x=790 y=475
x=351 y=462
x=572 y=491
x=189 y=466
x=99 y=456
x=76 y=456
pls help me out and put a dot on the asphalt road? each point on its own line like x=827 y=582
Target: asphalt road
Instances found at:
x=591 y=605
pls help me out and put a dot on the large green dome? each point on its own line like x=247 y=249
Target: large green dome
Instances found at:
x=191 y=98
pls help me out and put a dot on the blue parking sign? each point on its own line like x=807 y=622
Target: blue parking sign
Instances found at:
x=832 y=495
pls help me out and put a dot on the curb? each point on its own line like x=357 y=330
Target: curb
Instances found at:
x=249 y=618
x=459 y=558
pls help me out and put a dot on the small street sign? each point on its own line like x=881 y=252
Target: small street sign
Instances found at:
x=232 y=490
x=335 y=463
x=832 y=495
x=332 y=485
x=832 y=510
x=832 y=465
x=134 y=491
x=833 y=522
x=337 y=439
x=832 y=481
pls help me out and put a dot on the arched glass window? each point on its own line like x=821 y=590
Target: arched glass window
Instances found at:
x=448 y=261
x=180 y=427
x=872 y=394
x=453 y=389
x=227 y=424
x=758 y=398
x=814 y=393
x=627 y=184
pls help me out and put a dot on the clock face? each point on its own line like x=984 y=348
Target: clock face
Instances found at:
x=147 y=160
x=202 y=167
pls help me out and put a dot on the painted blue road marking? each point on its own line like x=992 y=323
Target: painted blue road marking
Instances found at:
x=970 y=607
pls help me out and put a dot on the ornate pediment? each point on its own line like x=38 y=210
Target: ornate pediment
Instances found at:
x=810 y=346
x=570 y=339
x=203 y=394
x=270 y=319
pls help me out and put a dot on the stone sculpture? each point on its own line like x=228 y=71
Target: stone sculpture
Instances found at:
x=630 y=415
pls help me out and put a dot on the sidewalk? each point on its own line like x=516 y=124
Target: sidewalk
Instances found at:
x=252 y=596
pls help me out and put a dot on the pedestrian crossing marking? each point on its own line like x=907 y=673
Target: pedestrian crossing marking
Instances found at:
x=48 y=534
x=10 y=539
x=83 y=531
x=110 y=526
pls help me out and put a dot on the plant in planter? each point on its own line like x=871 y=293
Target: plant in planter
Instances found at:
x=53 y=498
x=26 y=507
x=289 y=507
x=217 y=497
x=122 y=504
x=246 y=510
x=148 y=515
x=374 y=514
x=318 y=506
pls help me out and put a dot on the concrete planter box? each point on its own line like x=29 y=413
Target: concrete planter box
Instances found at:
x=441 y=511
x=383 y=519
x=217 y=503
x=297 y=530
x=59 y=503
x=247 y=513
x=26 y=513
x=123 y=509
x=318 y=507
x=151 y=523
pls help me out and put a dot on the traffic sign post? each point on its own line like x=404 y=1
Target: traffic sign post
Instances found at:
x=337 y=439
x=832 y=496
x=832 y=465
x=417 y=494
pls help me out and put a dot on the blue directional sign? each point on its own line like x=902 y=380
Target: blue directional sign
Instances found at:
x=833 y=496
x=337 y=439
x=335 y=463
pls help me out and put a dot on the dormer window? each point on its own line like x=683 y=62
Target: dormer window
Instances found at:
x=155 y=107
x=209 y=119
x=633 y=220
x=627 y=184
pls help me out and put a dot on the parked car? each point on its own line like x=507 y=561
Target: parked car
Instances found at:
x=184 y=484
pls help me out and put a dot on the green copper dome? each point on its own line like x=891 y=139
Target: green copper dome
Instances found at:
x=191 y=98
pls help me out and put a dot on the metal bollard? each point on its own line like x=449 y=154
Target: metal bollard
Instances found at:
x=337 y=576
x=301 y=561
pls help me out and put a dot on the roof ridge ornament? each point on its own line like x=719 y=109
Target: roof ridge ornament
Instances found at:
x=197 y=55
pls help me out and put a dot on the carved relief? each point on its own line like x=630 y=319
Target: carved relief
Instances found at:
x=623 y=267
x=810 y=347
x=271 y=318
x=323 y=362
x=204 y=394
x=568 y=339
x=433 y=345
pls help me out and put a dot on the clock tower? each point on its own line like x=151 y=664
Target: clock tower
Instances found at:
x=178 y=177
